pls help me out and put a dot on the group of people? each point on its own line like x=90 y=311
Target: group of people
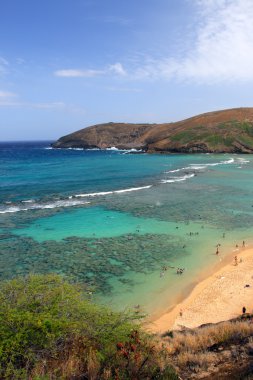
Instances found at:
x=217 y=248
x=165 y=268
x=235 y=258
x=180 y=270
x=236 y=246
x=192 y=233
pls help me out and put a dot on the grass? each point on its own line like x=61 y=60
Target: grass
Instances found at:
x=203 y=338
x=196 y=348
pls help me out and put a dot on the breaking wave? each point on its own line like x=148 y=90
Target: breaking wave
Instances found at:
x=112 y=192
x=41 y=206
x=73 y=200
x=178 y=179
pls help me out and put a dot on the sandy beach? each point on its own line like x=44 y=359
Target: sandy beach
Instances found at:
x=219 y=297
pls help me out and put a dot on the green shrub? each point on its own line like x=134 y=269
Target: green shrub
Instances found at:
x=184 y=137
x=246 y=140
x=247 y=127
x=215 y=140
x=50 y=330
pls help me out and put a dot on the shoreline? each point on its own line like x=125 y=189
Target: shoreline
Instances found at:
x=216 y=297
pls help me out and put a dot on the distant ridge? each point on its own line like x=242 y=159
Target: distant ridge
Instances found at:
x=225 y=131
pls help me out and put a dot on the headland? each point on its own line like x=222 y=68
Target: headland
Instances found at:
x=225 y=131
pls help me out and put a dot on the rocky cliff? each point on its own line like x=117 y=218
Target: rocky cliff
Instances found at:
x=215 y=132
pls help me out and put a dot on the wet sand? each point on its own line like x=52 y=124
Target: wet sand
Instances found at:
x=219 y=297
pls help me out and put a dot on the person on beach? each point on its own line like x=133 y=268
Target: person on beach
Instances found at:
x=181 y=312
x=236 y=260
x=244 y=310
x=217 y=251
x=243 y=244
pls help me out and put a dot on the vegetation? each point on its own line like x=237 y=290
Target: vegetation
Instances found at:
x=50 y=330
x=246 y=140
x=184 y=137
x=220 y=137
x=209 y=348
x=217 y=137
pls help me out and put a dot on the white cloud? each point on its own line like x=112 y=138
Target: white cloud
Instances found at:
x=75 y=73
x=117 y=68
x=222 y=50
x=218 y=49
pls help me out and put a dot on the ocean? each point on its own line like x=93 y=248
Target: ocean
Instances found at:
x=122 y=222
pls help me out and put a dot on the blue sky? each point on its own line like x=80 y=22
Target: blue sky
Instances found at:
x=68 y=64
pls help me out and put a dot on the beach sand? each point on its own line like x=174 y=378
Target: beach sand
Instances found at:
x=219 y=297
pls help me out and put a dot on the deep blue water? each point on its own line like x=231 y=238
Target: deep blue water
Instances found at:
x=33 y=170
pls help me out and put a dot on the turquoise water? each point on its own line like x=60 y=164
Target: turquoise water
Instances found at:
x=122 y=223
x=92 y=222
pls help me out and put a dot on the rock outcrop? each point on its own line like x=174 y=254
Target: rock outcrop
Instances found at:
x=226 y=131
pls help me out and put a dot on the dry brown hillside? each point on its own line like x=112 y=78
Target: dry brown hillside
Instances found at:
x=220 y=131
